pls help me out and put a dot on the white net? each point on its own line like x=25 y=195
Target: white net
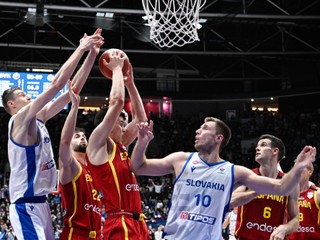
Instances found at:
x=173 y=22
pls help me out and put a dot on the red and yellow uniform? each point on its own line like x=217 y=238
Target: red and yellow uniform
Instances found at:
x=121 y=197
x=258 y=218
x=309 y=216
x=81 y=201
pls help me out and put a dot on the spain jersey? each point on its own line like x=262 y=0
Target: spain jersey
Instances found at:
x=121 y=193
x=81 y=203
x=258 y=218
x=309 y=216
x=200 y=200
x=33 y=169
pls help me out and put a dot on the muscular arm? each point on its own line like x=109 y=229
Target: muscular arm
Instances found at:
x=78 y=82
x=140 y=165
x=241 y=196
x=138 y=111
x=69 y=166
x=24 y=123
x=100 y=135
x=284 y=186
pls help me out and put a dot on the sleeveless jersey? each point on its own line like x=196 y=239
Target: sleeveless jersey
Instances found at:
x=309 y=216
x=200 y=200
x=33 y=169
x=81 y=204
x=258 y=218
x=120 y=193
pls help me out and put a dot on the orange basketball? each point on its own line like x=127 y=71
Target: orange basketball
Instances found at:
x=106 y=55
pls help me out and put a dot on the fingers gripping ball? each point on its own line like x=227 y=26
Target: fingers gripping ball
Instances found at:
x=106 y=55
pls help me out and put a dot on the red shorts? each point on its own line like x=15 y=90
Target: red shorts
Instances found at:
x=123 y=227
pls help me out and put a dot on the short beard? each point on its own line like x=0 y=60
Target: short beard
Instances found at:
x=80 y=148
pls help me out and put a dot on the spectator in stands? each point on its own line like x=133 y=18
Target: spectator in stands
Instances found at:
x=11 y=234
x=158 y=235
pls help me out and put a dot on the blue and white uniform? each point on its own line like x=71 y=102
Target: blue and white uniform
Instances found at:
x=33 y=176
x=200 y=200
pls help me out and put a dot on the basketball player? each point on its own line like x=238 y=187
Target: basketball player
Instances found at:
x=81 y=201
x=110 y=162
x=33 y=169
x=309 y=208
x=274 y=216
x=204 y=182
x=82 y=219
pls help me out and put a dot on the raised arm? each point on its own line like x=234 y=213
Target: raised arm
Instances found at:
x=68 y=166
x=24 y=123
x=116 y=102
x=140 y=165
x=284 y=186
x=60 y=80
x=138 y=111
x=78 y=82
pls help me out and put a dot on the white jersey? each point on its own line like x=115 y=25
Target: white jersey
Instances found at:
x=33 y=169
x=200 y=200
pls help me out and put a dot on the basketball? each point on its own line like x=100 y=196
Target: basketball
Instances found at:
x=106 y=55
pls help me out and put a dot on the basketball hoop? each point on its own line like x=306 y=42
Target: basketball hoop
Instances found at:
x=173 y=22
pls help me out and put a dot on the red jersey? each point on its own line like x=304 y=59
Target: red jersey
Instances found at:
x=121 y=193
x=258 y=218
x=81 y=204
x=309 y=216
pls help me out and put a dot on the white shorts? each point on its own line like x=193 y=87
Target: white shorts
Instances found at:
x=31 y=221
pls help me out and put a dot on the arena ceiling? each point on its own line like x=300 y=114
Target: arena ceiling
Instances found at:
x=247 y=48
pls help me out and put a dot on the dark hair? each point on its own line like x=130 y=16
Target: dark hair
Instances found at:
x=7 y=96
x=100 y=115
x=223 y=129
x=79 y=129
x=275 y=143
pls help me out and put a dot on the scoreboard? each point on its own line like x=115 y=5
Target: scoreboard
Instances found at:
x=30 y=82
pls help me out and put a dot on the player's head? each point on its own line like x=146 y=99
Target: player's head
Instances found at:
x=275 y=143
x=13 y=99
x=79 y=140
x=217 y=128
x=118 y=129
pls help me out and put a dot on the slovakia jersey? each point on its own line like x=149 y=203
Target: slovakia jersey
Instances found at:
x=81 y=203
x=200 y=200
x=117 y=182
x=309 y=216
x=33 y=169
x=258 y=218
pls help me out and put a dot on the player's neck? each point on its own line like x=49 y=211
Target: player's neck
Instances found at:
x=80 y=156
x=268 y=171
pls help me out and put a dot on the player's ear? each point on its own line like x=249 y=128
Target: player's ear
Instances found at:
x=220 y=137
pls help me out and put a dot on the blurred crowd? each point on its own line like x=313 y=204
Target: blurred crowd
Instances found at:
x=174 y=134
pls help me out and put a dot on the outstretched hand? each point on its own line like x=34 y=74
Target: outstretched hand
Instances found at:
x=88 y=42
x=115 y=61
x=145 y=131
x=96 y=48
x=307 y=156
x=75 y=98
